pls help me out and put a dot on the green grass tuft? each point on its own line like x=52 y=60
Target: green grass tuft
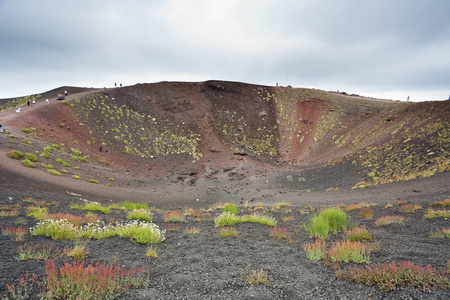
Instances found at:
x=54 y=172
x=128 y=205
x=231 y=208
x=329 y=220
x=28 y=163
x=140 y=214
x=31 y=157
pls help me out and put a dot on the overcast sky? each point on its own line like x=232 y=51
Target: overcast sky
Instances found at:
x=378 y=48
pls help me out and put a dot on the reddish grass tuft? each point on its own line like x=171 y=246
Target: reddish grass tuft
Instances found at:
x=400 y=202
x=358 y=234
x=358 y=206
x=390 y=275
x=366 y=213
x=9 y=213
x=73 y=219
x=174 y=216
x=388 y=220
x=444 y=203
x=280 y=233
x=172 y=227
x=347 y=251
x=316 y=250
x=93 y=281
x=441 y=234
x=18 y=232
x=409 y=208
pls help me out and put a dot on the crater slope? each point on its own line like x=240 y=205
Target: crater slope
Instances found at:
x=172 y=138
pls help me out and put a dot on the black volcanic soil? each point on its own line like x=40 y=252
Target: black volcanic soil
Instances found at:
x=205 y=265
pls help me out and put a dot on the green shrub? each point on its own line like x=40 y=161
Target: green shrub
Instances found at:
x=140 y=214
x=317 y=227
x=226 y=219
x=60 y=161
x=54 y=172
x=28 y=163
x=93 y=181
x=94 y=206
x=76 y=177
x=76 y=152
x=337 y=219
x=329 y=220
x=27 y=130
x=261 y=219
x=229 y=219
x=31 y=157
x=36 y=212
x=231 y=208
x=44 y=155
x=75 y=206
x=141 y=232
x=56 y=229
x=128 y=205
x=48 y=149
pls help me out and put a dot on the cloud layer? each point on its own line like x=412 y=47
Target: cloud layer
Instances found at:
x=386 y=49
